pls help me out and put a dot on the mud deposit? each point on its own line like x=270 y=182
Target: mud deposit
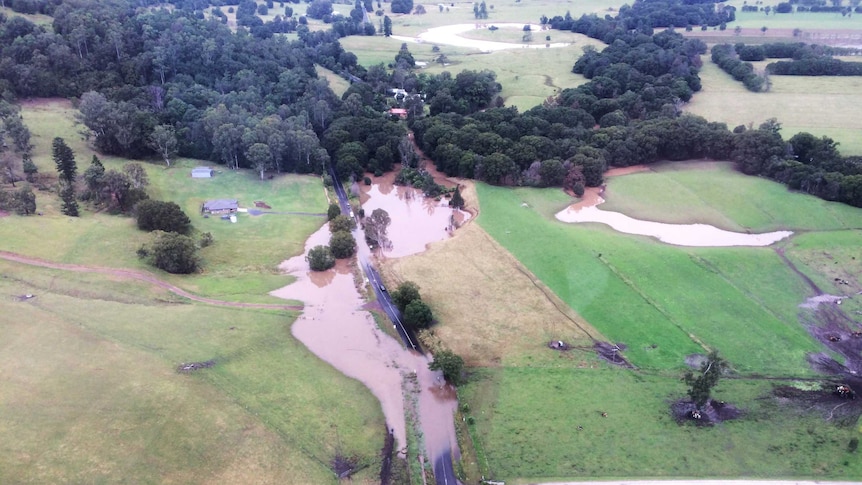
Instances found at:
x=335 y=328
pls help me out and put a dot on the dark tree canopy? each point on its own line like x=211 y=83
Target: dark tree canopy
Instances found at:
x=701 y=383
x=320 y=258
x=342 y=244
x=406 y=293
x=157 y=215
x=172 y=252
x=450 y=364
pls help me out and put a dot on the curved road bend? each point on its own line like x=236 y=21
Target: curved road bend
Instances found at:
x=444 y=472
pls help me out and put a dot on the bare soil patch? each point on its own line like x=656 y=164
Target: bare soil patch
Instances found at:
x=261 y=204
x=613 y=354
x=189 y=367
x=714 y=412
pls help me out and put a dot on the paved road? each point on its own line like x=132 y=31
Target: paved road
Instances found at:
x=380 y=290
x=444 y=474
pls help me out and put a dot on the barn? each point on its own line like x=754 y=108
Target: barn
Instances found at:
x=220 y=206
x=202 y=172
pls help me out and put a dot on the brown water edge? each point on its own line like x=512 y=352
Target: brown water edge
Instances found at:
x=416 y=220
x=335 y=328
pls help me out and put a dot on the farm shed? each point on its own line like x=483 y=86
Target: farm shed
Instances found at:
x=202 y=172
x=220 y=206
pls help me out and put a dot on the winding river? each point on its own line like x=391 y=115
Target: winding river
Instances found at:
x=448 y=35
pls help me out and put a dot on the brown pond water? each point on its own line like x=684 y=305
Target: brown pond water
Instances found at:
x=702 y=235
x=335 y=328
x=416 y=220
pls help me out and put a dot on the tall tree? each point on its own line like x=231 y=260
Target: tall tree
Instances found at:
x=70 y=205
x=376 y=226
x=260 y=157
x=387 y=26
x=163 y=139
x=64 y=158
x=457 y=201
x=701 y=383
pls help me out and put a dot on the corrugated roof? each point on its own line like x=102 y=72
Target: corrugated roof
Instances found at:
x=221 y=204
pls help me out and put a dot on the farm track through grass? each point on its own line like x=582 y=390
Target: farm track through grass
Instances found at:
x=107 y=351
x=240 y=266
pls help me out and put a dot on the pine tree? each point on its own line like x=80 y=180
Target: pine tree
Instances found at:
x=457 y=202
x=64 y=158
x=29 y=167
x=70 y=205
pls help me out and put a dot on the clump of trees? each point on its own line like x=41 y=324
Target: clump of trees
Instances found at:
x=157 y=215
x=16 y=163
x=725 y=56
x=171 y=252
x=450 y=364
x=376 y=226
x=320 y=258
x=415 y=313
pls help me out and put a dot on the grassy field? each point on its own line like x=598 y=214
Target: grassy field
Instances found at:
x=36 y=18
x=527 y=419
x=503 y=11
x=337 y=83
x=663 y=302
x=89 y=392
x=715 y=193
x=523 y=85
x=489 y=310
x=242 y=264
x=819 y=105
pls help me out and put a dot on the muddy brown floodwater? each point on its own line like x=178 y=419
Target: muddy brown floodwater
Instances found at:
x=586 y=210
x=336 y=329
x=416 y=220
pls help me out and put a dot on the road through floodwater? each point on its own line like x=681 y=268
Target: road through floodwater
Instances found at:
x=336 y=328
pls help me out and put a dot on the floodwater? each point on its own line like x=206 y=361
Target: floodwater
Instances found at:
x=334 y=327
x=700 y=235
x=416 y=220
x=448 y=35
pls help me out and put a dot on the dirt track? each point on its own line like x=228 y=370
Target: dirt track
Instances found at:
x=139 y=275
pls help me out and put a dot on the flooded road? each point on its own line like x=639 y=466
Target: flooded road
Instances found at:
x=700 y=235
x=336 y=328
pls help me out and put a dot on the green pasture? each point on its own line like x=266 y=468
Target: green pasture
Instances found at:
x=337 y=83
x=800 y=20
x=89 y=391
x=240 y=265
x=662 y=301
x=502 y=11
x=526 y=423
x=524 y=86
x=818 y=105
x=715 y=193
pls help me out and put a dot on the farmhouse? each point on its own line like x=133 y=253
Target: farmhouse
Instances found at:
x=202 y=172
x=220 y=206
x=399 y=112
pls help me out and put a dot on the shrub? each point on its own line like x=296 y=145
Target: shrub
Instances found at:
x=171 y=252
x=320 y=258
x=342 y=244
x=157 y=215
x=418 y=314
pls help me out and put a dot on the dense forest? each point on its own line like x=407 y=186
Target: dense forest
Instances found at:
x=158 y=82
